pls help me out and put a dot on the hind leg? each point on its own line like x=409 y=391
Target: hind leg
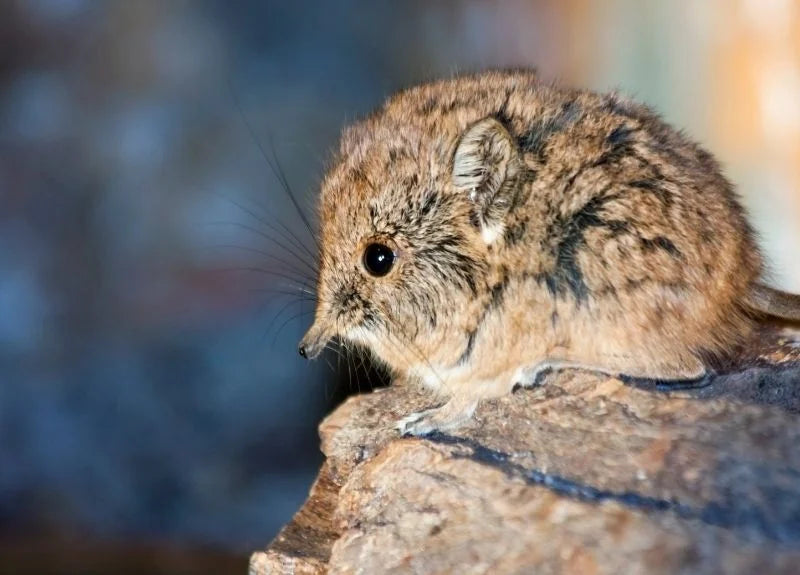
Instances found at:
x=684 y=373
x=695 y=376
x=535 y=374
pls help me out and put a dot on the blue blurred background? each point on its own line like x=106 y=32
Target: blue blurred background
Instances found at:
x=154 y=414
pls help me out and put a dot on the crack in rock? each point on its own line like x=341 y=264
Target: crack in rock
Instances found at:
x=739 y=514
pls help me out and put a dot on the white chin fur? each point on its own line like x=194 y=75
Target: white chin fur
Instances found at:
x=362 y=336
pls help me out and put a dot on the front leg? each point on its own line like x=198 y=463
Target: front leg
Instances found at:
x=464 y=394
x=457 y=411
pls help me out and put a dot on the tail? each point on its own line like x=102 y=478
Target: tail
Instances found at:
x=774 y=302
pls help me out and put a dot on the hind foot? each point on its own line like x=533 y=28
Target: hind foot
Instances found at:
x=667 y=385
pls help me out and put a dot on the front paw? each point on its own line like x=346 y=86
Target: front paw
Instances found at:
x=418 y=423
x=444 y=418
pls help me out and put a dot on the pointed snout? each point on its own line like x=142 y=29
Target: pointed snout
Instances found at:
x=314 y=341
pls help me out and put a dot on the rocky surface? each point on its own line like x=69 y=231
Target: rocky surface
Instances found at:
x=584 y=474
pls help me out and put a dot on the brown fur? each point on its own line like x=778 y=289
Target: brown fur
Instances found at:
x=536 y=227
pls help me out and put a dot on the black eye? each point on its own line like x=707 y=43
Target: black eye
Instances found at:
x=378 y=259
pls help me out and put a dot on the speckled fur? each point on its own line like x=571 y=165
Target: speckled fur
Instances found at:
x=613 y=242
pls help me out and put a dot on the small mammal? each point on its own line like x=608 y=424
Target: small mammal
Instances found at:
x=479 y=230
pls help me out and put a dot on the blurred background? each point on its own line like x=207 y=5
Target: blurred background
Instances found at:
x=154 y=414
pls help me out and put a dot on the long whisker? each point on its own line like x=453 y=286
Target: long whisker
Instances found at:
x=339 y=361
x=298 y=281
x=355 y=355
x=289 y=236
x=297 y=292
x=294 y=317
x=262 y=220
x=277 y=314
x=370 y=366
x=265 y=236
x=333 y=349
x=303 y=294
x=349 y=371
x=334 y=370
x=325 y=383
x=268 y=255
x=364 y=362
x=268 y=224
x=288 y=189
x=276 y=170
x=300 y=243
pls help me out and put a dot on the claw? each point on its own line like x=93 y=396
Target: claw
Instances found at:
x=410 y=425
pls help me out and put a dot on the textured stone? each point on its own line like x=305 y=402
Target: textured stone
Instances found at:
x=585 y=474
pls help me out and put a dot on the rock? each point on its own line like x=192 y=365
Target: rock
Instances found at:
x=585 y=474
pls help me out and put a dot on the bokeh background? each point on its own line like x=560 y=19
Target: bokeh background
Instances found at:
x=154 y=415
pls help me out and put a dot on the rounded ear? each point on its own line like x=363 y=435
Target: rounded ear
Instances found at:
x=484 y=167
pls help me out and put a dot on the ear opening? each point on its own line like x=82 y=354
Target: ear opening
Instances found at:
x=484 y=167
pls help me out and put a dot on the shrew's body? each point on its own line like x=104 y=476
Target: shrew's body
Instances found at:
x=526 y=227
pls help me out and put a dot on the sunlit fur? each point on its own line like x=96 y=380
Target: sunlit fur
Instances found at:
x=591 y=234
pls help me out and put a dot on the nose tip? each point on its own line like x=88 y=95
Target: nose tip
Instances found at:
x=313 y=343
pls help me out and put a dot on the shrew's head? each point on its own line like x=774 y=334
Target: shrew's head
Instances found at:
x=408 y=213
